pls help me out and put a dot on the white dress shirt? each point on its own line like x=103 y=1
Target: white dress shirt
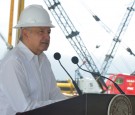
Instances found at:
x=26 y=81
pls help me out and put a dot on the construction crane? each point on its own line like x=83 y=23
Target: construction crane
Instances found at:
x=117 y=39
x=72 y=36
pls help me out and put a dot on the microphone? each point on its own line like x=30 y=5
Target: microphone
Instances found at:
x=75 y=60
x=57 y=56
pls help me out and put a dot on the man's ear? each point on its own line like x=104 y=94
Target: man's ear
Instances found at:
x=25 y=33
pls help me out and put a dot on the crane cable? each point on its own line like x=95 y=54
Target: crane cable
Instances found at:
x=108 y=30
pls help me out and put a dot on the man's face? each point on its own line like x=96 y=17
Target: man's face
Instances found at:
x=38 y=39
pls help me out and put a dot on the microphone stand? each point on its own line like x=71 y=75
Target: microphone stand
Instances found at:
x=75 y=85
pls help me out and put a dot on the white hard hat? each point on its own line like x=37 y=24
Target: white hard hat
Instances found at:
x=33 y=16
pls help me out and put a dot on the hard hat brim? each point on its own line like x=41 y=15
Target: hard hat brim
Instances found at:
x=33 y=25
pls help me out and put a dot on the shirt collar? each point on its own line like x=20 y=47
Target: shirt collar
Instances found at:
x=27 y=52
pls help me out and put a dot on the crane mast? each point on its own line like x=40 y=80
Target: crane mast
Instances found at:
x=72 y=36
x=117 y=39
x=71 y=33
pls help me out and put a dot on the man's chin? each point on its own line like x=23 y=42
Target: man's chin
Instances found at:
x=45 y=49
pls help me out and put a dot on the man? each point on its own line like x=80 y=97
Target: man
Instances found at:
x=26 y=78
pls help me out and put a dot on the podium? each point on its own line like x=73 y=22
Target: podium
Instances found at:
x=86 y=104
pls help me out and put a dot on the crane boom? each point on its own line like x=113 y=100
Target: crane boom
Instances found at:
x=117 y=39
x=72 y=35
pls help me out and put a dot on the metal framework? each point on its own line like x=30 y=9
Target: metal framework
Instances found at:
x=117 y=39
x=72 y=35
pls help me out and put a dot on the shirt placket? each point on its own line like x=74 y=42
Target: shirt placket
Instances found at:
x=36 y=61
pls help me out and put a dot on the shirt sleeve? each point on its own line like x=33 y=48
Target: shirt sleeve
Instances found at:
x=14 y=87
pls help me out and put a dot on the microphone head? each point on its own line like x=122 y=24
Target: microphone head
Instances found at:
x=57 y=56
x=75 y=60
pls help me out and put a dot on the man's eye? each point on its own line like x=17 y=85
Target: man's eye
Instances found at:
x=49 y=32
x=41 y=31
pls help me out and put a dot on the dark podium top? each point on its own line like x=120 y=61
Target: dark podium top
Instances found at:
x=86 y=104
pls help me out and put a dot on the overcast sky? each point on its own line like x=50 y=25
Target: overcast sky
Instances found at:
x=110 y=12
